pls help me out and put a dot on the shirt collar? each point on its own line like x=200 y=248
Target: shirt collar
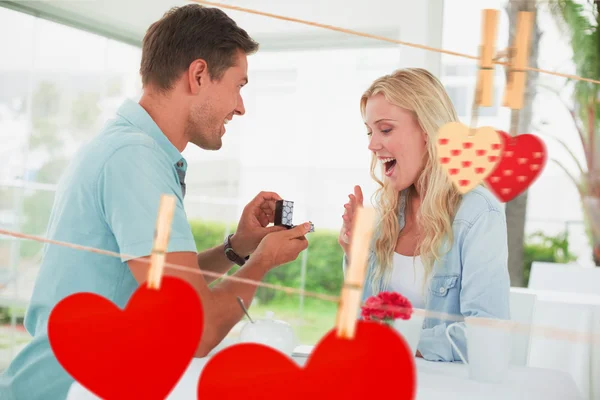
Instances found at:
x=139 y=117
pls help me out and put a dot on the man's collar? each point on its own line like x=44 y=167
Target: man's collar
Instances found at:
x=139 y=117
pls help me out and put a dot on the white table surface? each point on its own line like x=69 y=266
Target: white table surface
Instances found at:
x=576 y=312
x=446 y=381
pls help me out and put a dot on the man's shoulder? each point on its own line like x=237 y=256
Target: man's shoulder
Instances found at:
x=117 y=135
x=119 y=142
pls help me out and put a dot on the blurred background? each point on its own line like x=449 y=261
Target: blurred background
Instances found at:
x=66 y=66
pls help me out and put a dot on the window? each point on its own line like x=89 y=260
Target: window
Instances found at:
x=58 y=86
x=468 y=70
x=461 y=98
x=460 y=75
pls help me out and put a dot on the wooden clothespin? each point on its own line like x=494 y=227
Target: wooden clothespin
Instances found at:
x=362 y=231
x=166 y=208
x=518 y=57
x=484 y=97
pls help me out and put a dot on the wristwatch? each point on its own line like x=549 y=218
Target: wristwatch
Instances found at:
x=232 y=255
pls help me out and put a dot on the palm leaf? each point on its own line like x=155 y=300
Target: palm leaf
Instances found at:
x=576 y=122
x=578 y=185
x=580 y=23
x=564 y=145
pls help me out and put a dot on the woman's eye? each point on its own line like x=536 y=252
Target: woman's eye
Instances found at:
x=386 y=130
x=369 y=133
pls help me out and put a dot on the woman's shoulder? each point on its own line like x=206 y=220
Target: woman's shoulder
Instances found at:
x=477 y=202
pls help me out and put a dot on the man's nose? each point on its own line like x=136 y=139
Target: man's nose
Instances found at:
x=240 y=109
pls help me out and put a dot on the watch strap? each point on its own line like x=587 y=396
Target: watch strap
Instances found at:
x=232 y=255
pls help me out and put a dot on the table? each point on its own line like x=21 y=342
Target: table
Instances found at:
x=577 y=312
x=446 y=381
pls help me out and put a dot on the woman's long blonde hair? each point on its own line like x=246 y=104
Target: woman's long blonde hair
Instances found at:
x=418 y=91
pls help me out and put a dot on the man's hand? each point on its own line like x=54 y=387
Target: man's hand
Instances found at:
x=252 y=227
x=279 y=248
x=221 y=310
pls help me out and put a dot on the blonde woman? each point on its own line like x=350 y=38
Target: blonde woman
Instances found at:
x=446 y=252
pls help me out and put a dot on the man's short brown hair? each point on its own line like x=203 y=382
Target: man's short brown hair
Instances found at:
x=188 y=33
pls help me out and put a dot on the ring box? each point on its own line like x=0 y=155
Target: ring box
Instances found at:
x=284 y=214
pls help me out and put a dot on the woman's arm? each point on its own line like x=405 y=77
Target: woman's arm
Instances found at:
x=485 y=283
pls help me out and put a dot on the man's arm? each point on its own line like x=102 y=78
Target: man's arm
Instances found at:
x=219 y=304
x=214 y=260
x=129 y=190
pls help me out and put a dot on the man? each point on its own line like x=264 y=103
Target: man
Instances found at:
x=194 y=64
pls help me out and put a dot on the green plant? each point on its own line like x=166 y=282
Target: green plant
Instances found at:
x=544 y=248
x=323 y=263
x=580 y=23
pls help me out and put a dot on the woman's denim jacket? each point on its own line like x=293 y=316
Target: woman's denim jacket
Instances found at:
x=471 y=279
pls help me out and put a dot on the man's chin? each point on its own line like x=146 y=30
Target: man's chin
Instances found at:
x=212 y=147
x=209 y=145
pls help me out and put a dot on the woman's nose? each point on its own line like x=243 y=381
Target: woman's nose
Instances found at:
x=374 y=144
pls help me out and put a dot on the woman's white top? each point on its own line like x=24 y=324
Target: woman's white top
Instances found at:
x=407 y=279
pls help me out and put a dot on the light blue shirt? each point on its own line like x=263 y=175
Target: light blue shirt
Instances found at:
x=471 y=280
x=108 y=199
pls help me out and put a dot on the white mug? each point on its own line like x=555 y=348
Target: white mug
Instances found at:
x=489 y=345
x=270 y=332
x=410 y=330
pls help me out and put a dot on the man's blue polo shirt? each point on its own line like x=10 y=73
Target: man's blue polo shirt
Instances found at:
x=108 y=198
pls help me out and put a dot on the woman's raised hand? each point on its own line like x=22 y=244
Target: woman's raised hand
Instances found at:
x=356 y=200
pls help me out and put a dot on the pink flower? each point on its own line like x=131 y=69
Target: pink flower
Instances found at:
x=386 y=307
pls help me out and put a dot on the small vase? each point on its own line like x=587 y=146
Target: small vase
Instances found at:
x=410 y=330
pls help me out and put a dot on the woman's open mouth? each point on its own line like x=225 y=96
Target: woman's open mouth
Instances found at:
x=389 y=165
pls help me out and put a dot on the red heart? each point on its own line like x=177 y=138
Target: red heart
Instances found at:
x=523 y=159
x=376 y=363
x=137 y=353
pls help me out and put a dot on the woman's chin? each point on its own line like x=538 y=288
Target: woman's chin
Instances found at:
x=399 y=184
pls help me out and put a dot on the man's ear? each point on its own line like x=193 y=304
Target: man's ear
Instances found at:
x=197 y=75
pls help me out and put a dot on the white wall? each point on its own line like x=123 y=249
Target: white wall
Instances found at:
x=303 y=135
x=305 y=139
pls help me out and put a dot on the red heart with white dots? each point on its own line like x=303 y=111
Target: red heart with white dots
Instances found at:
x=523 y=159
x=468 y=156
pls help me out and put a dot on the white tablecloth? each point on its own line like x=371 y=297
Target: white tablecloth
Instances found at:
x=576 y=312
x=435 y=381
